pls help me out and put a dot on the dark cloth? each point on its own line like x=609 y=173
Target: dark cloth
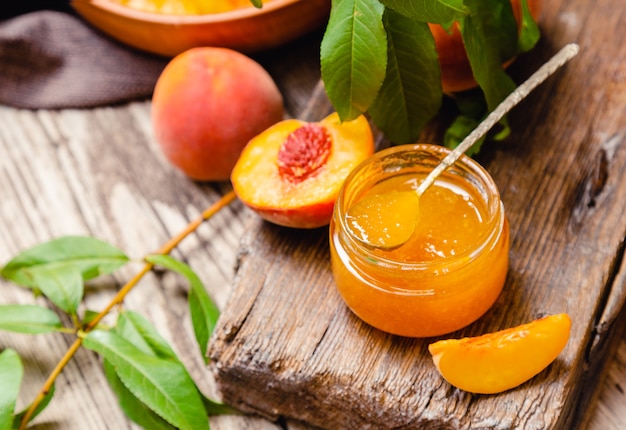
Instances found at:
x=10 y=8
x=53 y=59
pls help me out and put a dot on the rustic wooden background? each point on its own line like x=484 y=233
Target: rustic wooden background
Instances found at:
x=99 y=172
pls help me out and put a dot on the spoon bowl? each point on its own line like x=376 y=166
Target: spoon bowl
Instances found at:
x=401 y=212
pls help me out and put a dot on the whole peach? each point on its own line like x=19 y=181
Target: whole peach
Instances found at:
x=207 y=104
x=456 y=72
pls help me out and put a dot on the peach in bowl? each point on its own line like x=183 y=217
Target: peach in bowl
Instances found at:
x=167 y=33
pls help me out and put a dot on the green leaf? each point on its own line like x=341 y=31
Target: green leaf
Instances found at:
x=504 y=132
x=434 y=11
x=163 y=385
x=63 y=285
x=92 y=257
x=140 y=332
x=471 y=103
x=89 y=316
x=11 y=373
x=460 y=128
x=40 y=407
x=136 y=329
x=29 y=319
x=472 y=109
x=203 y=317
x=490 y=37
x=134 y=408
x=411 y=93
x=529 y=32
x=257 y=3
x=353 y=56
x=215 y=408
x=204 y=312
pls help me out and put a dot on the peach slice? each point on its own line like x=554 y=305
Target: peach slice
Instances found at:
x=496 y=362
x=291 y=173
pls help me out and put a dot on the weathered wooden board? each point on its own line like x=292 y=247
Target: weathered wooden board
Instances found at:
x=287 y=345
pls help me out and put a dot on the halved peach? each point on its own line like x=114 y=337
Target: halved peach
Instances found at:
x=502 y=360
x=291 y=173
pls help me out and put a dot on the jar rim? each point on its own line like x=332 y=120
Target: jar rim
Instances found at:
x=493 y=205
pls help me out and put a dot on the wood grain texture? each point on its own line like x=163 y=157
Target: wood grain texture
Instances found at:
x=288 y=346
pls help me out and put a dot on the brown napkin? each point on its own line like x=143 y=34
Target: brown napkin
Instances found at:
x=51 y=59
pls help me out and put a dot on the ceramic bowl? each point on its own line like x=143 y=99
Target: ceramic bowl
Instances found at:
x=247 y=30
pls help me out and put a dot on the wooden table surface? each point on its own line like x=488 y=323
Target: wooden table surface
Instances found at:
x=99 y=172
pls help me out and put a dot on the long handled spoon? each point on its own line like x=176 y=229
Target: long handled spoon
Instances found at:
x=401 y=209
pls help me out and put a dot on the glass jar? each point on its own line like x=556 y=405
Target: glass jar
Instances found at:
x=454 y=266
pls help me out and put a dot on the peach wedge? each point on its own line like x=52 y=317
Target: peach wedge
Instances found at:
x=496 y=362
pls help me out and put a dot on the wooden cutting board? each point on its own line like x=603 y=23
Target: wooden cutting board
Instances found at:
x=287 y=346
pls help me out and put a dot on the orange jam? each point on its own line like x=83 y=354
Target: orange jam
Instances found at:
x=451 y=270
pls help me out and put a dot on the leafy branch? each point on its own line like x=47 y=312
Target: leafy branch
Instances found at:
x=379 y=57
x=152 y=385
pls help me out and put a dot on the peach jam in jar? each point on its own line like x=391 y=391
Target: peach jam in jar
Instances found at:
x=453 y=267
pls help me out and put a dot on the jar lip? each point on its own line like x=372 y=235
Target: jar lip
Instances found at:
x=494 y=206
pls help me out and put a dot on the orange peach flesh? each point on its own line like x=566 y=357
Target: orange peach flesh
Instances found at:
x=496 y=362
x=309 y=203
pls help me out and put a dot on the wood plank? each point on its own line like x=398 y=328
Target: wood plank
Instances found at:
x=608 y=412
x=287 y=346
